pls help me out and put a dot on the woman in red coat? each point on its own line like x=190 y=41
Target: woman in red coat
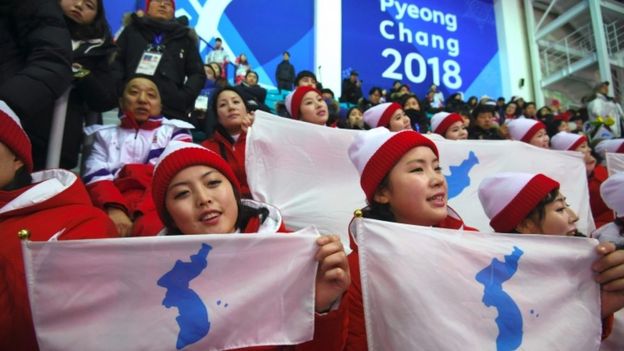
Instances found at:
x=596 y=174
x=196 y=192
x=528 y=203
x=403 y=182
x=46 y=205
x=230 y=132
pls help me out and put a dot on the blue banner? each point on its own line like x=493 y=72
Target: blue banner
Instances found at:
x=452 y=44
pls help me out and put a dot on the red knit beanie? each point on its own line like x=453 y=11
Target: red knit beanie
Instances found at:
x=508 y=198
x=567 y=141
x=177 y=156
x=14 y=137
x=380 y=115
x=441 y=121
x=148 y=2
x=293 y=100
x=376 y=151
x=523 y=129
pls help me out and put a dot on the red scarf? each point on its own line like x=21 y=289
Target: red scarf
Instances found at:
x=129 y=122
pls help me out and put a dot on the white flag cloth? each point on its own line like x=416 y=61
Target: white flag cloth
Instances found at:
x=615 y=341
x=305 y=171
x=439 y=289
x=615 y=162
x=191 y=292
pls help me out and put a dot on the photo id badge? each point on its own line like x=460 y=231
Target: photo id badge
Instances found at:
x=149 y=62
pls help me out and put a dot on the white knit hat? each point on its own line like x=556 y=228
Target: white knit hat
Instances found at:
x=523 y=129
x=612 y=192
x=611 y=145
x=567 y=141
x=376 y=151
x=294 y=99
x=441 y=121
x=508 y=198
x=380 y=115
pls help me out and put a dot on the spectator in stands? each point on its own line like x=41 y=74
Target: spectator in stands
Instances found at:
x=351 y=89
x=555 y=125
x=403 y=89
x=472 y=102
x=354 y=119
x=612 y=192
x=35 y=66
x=192 y=183
x=437 y=101
x=94 y=87
x=509 y=114
x=389 y=115
x=158 y=46
x=603 y=108
x=42 y=205
x=332 y=107
x=305 y=103
x=374 y=98
x=218 y=55
x=402 y=179
x=242 y=67
x=527 y=203
x=230 y=131
x=482 y=126
x=396 y=85
x=305 y=78
x=418 y=117
x=252 y=90
x=529 y=131
x=449 y=125
x=285 y=73
x=596 y=174
x=453 y=102
x=119 y=169
x=530 y=111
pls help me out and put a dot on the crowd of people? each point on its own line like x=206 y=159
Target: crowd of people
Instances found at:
x=150 y=175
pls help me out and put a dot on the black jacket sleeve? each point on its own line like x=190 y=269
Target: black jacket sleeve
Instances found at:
x=44 y=43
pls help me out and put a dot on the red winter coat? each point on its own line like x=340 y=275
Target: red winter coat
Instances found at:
x=234 y=153
x=57 y=204
x=356 y=339
x=600 y=211
x=330 y=329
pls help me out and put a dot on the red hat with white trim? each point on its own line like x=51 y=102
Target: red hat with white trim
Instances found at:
x=441 y=121
x=14 y=137
x=612 y=192
x=610 y=145
x=375 y=152
x=508 y=198
x=567 y=141
x=294 y=99
x=523 y=129
x=380 y=115
x=177 y=156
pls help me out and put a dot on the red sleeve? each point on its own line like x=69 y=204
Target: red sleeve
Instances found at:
x=330 y=330
x=356 y=339
x=92 y=223
x=105 y=192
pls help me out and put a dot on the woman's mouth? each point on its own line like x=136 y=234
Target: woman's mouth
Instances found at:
x=437 y=200
x=210 y=218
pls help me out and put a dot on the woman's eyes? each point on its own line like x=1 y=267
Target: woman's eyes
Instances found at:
x=213 y=183
x=181 y=194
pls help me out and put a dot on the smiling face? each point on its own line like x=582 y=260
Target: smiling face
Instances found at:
x=80 y=11
x=559 y=219
x=231 y=111
x=416 y=190
x=399 y=121
x=141 y=99
x=540 y=139
x=313 y=108
x=201 y=200
x=457 y=131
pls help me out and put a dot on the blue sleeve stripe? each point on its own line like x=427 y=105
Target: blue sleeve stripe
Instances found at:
x=179 y=132
x=99 y=173
x=155 y=153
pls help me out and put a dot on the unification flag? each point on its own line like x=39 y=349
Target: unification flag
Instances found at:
x=439 y=289
x=191 y=292
x=305 y=171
